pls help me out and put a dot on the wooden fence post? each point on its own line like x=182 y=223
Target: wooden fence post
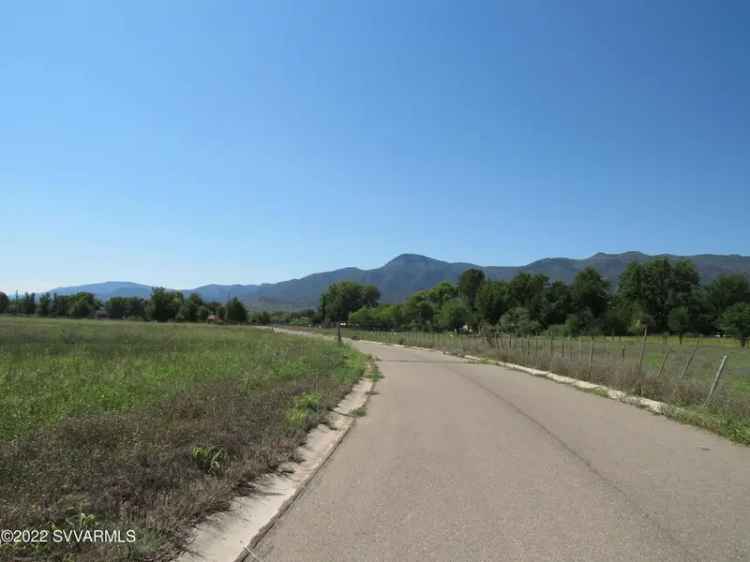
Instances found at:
x=338 y=332
x=591 y=357
x=664 y=362
x=684 y=372
x=716 y=381
x=643 y=350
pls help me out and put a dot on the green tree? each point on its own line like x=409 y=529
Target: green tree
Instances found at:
x=203 y=313
x=236 y=311
x=492 y=301
x=728 y=290
x=370 y=295
x=82 y=305
x=558 y=304
x=45 y=304
x=419 y=310
x=590 y=291
x=188 y=311
x=658 y=286
x=4 y=302
x=261 y=318
x=136 y=308
x=736 y=322
x=679 y=321
x=389 y=316
x=163 y=304
x=362 y=318
x=454 y=315
x=28 y=303
x=469 y=283
x=518 y=321
x=116 y=307
x=59 y=305
x=619 y=316
x=527 y=291
x=441 y=294
x=344 y=297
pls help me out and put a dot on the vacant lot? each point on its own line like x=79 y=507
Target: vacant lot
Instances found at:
x=117 y=425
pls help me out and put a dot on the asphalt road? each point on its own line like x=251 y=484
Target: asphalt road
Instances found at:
x=463 y=461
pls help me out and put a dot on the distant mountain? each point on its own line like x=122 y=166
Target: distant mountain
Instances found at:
x=107 y=289
x=409 y=273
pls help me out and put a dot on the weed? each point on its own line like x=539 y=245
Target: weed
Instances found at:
x=148 y=427
x=209 y=459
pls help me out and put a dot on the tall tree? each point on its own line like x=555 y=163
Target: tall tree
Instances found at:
x=527 y=291
x=658 y=286
x=344 y=297
x=558 y=304
x=728 y=290
x=163 y=304
x=590 y=291
x=736 y=322
x=454 y=315
x=679 y=321
x=44 y=305
x=116 y=307
x=4 y=302
x=28 y=303
x=441 y=293
x=236 y=311
x=418 y=310
x=469 y=283
x=492 y=301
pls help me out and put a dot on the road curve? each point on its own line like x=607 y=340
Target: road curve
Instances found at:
x=465 y=461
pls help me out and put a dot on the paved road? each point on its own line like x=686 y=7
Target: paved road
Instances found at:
x=461 y=461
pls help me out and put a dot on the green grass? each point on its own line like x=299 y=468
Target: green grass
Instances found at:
x=149 y=427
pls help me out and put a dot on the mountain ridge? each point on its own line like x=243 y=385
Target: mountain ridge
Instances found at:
x=408 y=273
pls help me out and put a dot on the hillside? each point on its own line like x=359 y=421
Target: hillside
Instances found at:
x=408 y=273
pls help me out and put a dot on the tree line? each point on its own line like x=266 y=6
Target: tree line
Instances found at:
x=162 y=306
x=659 y=295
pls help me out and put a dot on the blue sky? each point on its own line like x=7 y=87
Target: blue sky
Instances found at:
x=184 y=143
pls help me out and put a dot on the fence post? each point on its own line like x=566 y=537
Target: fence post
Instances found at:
x=338 y=332
x=716 y=381
x=643 y=350
x=684 y=372
x=664 y=362
x=623 y=354
x=591 y=357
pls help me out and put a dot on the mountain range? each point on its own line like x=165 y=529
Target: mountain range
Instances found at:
x=409 y=273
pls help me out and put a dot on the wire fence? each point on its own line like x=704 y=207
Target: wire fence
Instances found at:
x=659 y=368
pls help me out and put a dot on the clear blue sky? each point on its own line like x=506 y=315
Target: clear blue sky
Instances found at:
x=184 y=143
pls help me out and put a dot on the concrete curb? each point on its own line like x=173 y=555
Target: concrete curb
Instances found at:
x=653 y=406
x=230 y=536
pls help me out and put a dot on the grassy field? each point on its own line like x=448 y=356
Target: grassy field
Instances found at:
x=119 y=425
x=679 y=374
